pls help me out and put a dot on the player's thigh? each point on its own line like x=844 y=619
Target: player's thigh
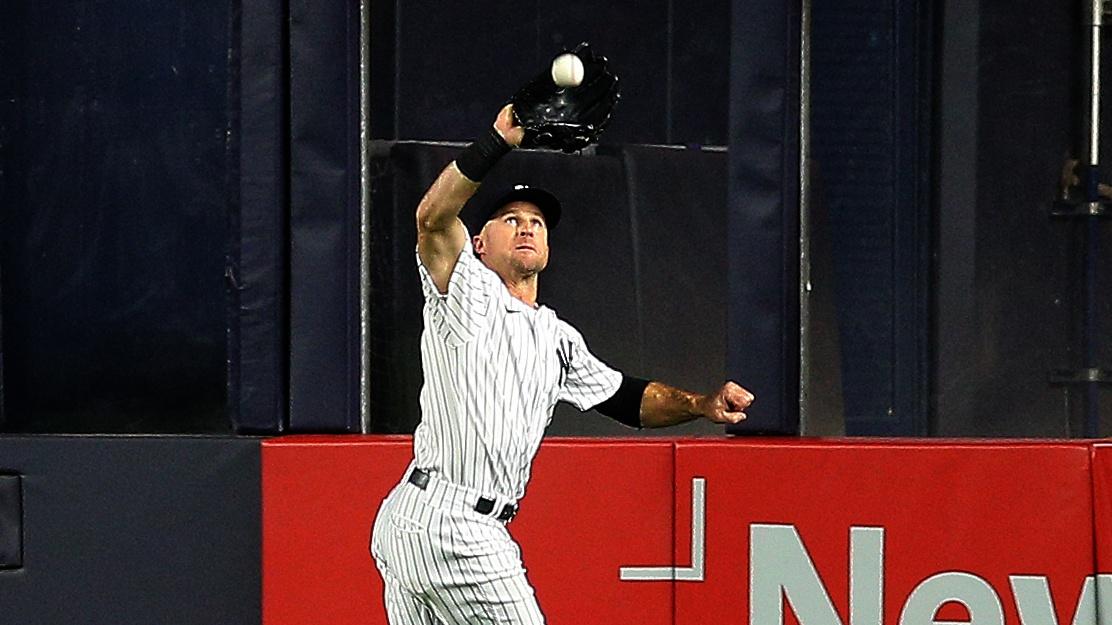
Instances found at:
x=407 y=543
x=488 y=584
x=506 y=601
x=404 y=608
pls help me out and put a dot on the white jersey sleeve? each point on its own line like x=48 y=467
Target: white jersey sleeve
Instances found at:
x=589 y=381
x=458 y=315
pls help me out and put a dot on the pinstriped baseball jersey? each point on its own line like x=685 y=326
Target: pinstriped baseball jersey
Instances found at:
x=494 y=369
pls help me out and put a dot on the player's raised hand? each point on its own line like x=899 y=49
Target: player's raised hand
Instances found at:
x=506 y=127
x=728 y=404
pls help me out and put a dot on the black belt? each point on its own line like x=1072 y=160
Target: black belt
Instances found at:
x=420 y=479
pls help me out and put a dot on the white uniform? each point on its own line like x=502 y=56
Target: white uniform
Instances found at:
x=494 y=369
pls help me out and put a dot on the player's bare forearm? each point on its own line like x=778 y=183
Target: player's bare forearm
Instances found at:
x=440 y=233
x=443 y=201
x=663 y=405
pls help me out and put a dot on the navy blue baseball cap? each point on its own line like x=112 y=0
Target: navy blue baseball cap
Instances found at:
x=545 y=201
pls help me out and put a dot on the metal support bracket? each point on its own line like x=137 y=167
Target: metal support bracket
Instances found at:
x=11 y=521
x=1092 y=375
x=1081 y=208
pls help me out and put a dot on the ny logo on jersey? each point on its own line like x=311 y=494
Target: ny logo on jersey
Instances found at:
x=563 y=352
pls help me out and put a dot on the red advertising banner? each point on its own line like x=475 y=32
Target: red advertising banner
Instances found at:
x=724 y=532
x=591 y=507
x=905 y=533
x=320 y=494
x=1102 y=525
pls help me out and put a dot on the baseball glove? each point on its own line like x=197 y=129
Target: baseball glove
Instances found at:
x=567 y=118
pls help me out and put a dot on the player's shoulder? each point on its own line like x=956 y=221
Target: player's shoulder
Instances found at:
x=565 y=330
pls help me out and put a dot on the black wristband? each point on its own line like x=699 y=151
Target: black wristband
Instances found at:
x=625 y=405
x=478 y=158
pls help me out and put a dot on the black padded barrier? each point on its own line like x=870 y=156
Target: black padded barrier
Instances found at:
x=135 y=529
x=637 y=265
x=594 y=292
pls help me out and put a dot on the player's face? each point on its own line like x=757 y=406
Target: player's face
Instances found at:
x=516 y=239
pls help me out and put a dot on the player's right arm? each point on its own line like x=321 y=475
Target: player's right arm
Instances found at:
x=590 y=383
x=440 y=233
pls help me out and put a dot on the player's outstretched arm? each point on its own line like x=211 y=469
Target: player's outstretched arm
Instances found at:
x=440 y=233
x=663 y=405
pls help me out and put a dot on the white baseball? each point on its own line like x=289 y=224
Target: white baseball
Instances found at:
x=567 y=70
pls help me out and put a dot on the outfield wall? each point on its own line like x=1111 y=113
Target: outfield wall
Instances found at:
x=717 y=531
x=130 y=530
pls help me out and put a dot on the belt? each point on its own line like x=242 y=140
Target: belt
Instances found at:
x=485 y=506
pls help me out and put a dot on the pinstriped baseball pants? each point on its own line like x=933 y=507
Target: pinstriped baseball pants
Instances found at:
x=443 y=563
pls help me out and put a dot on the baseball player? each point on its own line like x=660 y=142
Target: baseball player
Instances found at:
x=495 y=363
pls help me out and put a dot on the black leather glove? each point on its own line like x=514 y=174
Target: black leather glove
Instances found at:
x=567 y=118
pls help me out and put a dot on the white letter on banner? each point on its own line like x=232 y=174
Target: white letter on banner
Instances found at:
x=1036 y=606
x=976 y=594
x=866 y=575
x=1034 y=603
x=780 y=566
x=1103 y=609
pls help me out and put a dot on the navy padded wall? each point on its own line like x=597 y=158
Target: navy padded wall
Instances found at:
x=136 y=529
x=114 y=121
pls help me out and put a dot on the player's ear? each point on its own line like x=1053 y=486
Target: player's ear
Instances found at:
x=477 y=243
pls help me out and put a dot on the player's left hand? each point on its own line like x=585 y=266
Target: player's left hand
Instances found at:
x=507 y=127
x=728 y=404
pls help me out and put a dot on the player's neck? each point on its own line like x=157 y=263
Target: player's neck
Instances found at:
x=523 y=288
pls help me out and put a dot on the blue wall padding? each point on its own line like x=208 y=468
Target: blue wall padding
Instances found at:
x=324 y=217
x=763 y=221
x=258 y=270
x=114 y=172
